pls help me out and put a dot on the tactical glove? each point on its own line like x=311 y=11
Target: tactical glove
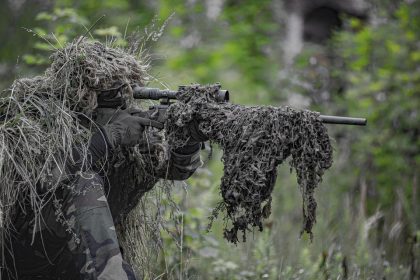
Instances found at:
x=124 y=130
x=196 y=136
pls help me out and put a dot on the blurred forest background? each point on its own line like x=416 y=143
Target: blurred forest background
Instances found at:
x=350 y=58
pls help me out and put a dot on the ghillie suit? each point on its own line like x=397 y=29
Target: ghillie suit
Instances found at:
x=43 y=117
x=255 y=140
x=44 y=120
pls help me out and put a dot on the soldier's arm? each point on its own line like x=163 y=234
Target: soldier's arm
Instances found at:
x=124 y=130
x=185 y=160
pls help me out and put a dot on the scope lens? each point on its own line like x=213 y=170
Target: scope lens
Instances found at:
x=223 y=96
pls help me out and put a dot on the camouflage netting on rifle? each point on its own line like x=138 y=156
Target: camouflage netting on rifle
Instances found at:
x=42 y=120
x=255 y=140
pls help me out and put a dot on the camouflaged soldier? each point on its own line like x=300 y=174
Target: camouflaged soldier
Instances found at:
x=77 y=238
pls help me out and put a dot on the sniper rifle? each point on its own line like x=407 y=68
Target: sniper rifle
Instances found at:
x=222 y=96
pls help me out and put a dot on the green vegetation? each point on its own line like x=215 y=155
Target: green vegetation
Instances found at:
x=368 y=214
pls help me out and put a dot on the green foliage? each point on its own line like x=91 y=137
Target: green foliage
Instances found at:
x=56 y=28
x=238 y=44
x=382 y=77
x=370 y=70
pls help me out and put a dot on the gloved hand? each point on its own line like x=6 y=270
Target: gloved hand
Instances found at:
x=124 y=130
x=196 y=136
x=194 y=141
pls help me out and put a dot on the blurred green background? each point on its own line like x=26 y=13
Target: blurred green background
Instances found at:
x=361 y=61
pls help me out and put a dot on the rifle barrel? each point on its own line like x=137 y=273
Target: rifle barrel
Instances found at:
x=343 y=120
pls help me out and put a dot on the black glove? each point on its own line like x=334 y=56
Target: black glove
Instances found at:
x=193 y=145
x=124 y=130
x=196 y=136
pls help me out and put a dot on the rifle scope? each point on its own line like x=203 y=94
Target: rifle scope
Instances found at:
x=157 y=94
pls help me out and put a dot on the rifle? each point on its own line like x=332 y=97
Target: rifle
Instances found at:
x=222 y=96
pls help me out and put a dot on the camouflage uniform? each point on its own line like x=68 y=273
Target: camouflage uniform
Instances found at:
x=77 y=238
